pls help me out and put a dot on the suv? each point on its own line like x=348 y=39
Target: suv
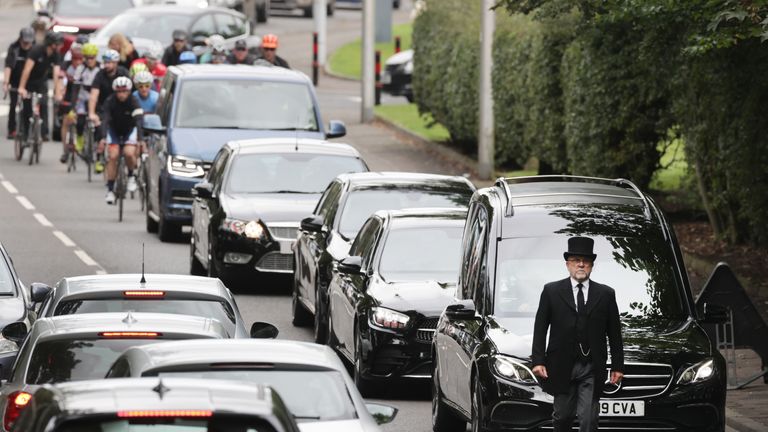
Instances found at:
x=200 y=108
x=516 y=232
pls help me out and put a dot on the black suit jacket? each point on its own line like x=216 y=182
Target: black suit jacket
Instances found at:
x=557 y=312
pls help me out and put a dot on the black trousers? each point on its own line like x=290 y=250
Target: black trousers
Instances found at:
x=12 y=111
x=578 y=402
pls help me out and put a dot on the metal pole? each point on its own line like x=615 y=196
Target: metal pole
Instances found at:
x=377 y=78
x=315 y=63
x=486 y=149
x=321 y=27
x=397 y=44
x=367 y=82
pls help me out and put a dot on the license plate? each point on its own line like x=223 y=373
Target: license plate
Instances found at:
x=620 y=408
x=285 y=247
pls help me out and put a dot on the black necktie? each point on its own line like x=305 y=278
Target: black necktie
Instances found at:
x=580 y=298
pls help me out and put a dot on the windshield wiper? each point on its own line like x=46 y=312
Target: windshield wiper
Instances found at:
x=306 y=417
x=292 y=129
x=285 y=191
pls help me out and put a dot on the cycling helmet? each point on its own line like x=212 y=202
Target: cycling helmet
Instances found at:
x=90 y=50
x=41 y=23
x=143 y=77
x=160 y=70
x=269 y=41
x=53 y=38
x=154 y=53
x=179 y=35
x=110 y=55
x=187 y=57
x=136 y=68
x=121 y=83
x=218 y=49
x=27 y=34
x=215 y=39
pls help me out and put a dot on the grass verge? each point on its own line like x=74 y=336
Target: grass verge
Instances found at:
x=407 y=117
x=345 y=61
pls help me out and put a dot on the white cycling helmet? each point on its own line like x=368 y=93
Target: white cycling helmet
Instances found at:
x=143 y=77
x=121 y=83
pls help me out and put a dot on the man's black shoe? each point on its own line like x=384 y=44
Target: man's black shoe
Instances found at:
x=63 y=158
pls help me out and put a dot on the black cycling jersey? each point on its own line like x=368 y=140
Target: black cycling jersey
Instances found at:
x=122 y=117
x=103 y=82
x=15 y=60
x=38 y=77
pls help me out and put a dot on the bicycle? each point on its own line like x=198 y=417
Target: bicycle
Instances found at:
x=22 y=140
x=89 y=147
x=71 y=147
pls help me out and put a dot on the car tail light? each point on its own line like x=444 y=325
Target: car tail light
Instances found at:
x=164 y=413
x=130 y=335
x=17 y=401
x=144 y=294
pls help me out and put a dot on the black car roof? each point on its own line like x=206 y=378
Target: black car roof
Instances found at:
x=395 y=179
x=424 y=217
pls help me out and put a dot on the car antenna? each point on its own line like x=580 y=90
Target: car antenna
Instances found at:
x=143 y=280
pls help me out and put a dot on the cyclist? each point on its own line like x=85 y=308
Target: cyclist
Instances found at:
x=213 y=42
x=187 y=57
x=269 y=51
x=240 y=54
x=125 y=48
x=174 y=50
x=136 y=67
x=122 y=118
x=72 y=89
x=144 y=94
x=83 y=79
x=34 y=77
x=218 y=54
x=101 y=89
x=14 y=65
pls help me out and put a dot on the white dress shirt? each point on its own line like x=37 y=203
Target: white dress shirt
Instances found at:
x=585 y=289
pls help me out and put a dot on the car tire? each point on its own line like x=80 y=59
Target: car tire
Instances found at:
x=396 y=4
x=330 y=8
x=443 y=419
x=321 y=320
x=301 y=316
x=262 y=13
x=409 y=97
x=168 y=231
x=478 y=423
x=195 y=267
x=365 y=386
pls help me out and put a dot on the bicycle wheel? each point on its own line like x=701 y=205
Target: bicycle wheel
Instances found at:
x=71 y=138
x=90 y=150
x=120 y=186
x=35 y=145
x=18 y=146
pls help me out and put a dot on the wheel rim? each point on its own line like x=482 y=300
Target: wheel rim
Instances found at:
x=476 y=408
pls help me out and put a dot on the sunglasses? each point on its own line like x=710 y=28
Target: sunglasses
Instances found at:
x=140 y=86
x=179 y=40
x=89 y=57
x=122 y=91
x=268 y=49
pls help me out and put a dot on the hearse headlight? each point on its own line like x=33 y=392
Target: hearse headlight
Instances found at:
x=185 y=167
x=511 y=369
x=251 y=229
x=699 y=372
x=388 y=319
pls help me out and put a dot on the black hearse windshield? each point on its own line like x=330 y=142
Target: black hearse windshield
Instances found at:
x=637 y=268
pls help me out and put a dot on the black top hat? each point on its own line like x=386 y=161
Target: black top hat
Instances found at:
x=581 y=246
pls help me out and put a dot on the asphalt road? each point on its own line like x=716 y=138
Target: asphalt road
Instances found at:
x=55 y=224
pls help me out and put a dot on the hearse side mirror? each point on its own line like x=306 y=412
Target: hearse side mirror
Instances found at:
x=312 y=224
x=383 y=414
x=715 y=314
x=202 y=190
x=152 y=124
x=351 y=265
x=39 y=291
x=463 y=310
x=336 y=129
x=262 y=330
x=15 y=332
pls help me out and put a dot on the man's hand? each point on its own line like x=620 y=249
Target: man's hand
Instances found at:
x=616 y=377
x=6 y=87
x=23 y=93
x=540 y=371
x=57 y=97
x=95 y=119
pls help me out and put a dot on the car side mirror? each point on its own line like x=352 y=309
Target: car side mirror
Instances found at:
x=15 y=332
x=715 y=314
x=312 y=224
x=39 y=291
x=202 y=190
x=199 y=40
x=262 y=330
x=463 y=310
x=336 y=129
x=151 y=123
x=383 y=414
x=351 y=265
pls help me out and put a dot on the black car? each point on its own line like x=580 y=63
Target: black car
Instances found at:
x=347 y=203
x=155 y=404
x=387 y=295
x=245 y=216
x=398 y=75
x=516 y=232
x=16 y=303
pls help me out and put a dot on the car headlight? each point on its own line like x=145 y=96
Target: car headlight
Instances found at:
x=185 y=167
x=699 y=372
x=513 y=370
x=252 y=229
x=7 y=346
x=65 y=29
x=388 y=319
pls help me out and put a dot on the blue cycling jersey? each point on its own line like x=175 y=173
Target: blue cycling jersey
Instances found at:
x=150 y=103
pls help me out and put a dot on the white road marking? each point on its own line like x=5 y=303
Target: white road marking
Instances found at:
x=64 y=239
x=4 y=110
x=24 y=202
x=84 y=257
x=10 y=187
x=43 y=220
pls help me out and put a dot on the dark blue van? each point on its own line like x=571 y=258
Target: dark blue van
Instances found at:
x=201 y=107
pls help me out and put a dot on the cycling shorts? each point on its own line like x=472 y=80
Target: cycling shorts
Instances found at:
x=114 y=139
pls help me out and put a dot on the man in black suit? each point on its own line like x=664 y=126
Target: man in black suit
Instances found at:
x=579 y=314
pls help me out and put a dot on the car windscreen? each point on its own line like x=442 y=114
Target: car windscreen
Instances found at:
x=218 y=310
x=62 y=360
x=288 y=172
x=640 y=269
x=217 y=422
x=311 y=395
x=90 y=8
x=246 y=104
x=362 y=203
x=422 y=253
x=6 y=278
x=158 y=27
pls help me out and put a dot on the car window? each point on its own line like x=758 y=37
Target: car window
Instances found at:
x=363 y=243
x=310 y=395
x=219 y=422
x=640 y=269
x=217 y=167
x=230 y=26
x=203 y=27
x=7 y=285
x=421 y=253
x=277 y=173
x=361 y=203
x=472 y=232
x=326 y=207
x=90 y=8
x=157 y=27
x=246 y=104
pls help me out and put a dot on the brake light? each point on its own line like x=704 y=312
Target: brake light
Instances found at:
x=130 y=335
x=144 y=293
x=17 y=401
x=164 y=413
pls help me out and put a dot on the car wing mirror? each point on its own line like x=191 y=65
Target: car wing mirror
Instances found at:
x=15 y=332
x=151 y=123
x=312 y=224
x=262 y=330
x=383 y=414
x=351 y=265
x=463 y=310
x=336 y=129
x=39 y=291
x=203 y=190
x=715 y=314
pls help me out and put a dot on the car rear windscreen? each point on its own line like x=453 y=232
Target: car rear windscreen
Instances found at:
x=91 y=8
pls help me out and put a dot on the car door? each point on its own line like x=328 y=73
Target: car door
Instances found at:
x=158 y=145
x=215 y=211
x=203 y=209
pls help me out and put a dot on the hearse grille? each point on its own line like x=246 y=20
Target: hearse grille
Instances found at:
x=641 y=380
